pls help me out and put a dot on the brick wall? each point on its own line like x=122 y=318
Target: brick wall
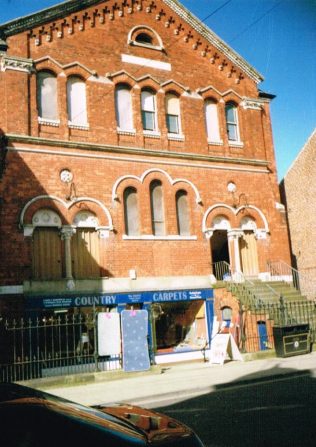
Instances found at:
x=99 y=156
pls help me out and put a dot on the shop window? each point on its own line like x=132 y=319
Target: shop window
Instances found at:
x=157 y=208
x=173 y=113
x=76 y=101
x=148 y=104
x=85 y=247
x=123 y=107
x=47 y=95
x=131 y=212
x=232 y=121
x=183 y=218
x=179 y=326
x=211 y=119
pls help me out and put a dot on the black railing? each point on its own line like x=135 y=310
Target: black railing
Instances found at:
x=37 y=348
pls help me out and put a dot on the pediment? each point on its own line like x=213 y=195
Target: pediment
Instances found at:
x=75 y=17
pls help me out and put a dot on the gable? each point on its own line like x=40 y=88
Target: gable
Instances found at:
x=79 y=14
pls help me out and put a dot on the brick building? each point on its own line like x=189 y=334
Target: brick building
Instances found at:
x=298 y=193
x=137 y=153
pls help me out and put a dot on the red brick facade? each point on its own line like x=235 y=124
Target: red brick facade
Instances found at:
x=195 y=65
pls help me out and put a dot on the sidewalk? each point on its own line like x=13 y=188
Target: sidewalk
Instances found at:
x=177 y=381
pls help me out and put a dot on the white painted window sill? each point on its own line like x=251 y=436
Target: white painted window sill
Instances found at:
x=48 y=122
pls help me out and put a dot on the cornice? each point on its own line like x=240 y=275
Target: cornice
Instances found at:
x=45 y=15
x=72 y=6
x=13 y=138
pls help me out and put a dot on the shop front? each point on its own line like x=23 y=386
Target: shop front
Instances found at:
x=179 y=321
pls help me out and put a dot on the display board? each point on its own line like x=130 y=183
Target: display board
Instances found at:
x=109 y=333
x=135 y=340
x=223 y=346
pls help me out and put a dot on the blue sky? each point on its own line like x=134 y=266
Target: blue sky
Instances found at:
x=277 y=37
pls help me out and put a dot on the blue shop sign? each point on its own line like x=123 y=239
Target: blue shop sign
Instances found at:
x=114 y=299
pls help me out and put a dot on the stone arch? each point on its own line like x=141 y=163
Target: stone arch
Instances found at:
x=141 y=179
x=67 y=211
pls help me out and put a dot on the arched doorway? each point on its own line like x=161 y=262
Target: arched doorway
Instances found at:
x=219 y=244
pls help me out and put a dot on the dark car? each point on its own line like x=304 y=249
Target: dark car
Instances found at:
x=32 y=418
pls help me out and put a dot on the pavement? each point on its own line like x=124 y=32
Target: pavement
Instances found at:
x=175 y=382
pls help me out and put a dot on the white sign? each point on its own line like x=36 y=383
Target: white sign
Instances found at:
x=224 y=345
x=109 y=333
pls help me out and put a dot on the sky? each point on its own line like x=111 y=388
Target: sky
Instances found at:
x=276 y=37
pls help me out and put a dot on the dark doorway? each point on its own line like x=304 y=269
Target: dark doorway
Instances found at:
x=219 y=246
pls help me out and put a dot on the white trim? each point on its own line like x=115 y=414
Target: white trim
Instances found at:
x=236 y=143
x=131 y=41
x=215 y=143
x=126 y=132
x=138 y=160
x=67 y=206
x=11 y=290
x=180 y=356
x=151 y=134
x=127 y=58
x=176 y=137
x=63 y=67
x=78 y=126
x=149 y=171
x=48 y=122
x=149 y=237
x=234 y=211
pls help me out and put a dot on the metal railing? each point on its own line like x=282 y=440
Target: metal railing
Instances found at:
x=37 y=348
x=304 y=283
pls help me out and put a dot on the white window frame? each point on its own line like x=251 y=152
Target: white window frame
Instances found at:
x=234 y=123
x=124 y=108
x=77 y=102
x=212 y=122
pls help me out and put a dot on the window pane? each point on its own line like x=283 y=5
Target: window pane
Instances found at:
x=148 y=120
x=172 y=124
x=230 y=113
x=183 y=218
x=232 y=132
x=123 y=102
x=157 y=211
x=172 y=105
x=131 y=212
x=47 y=95
x=148 y=101
x=76 y=96
x=212 y=121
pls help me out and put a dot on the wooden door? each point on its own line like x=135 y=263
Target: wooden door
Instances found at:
x=86 y=254
x=248 y=254
x=47 y=256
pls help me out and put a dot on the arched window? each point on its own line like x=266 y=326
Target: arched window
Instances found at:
x=144 y=38
x=211 y=119
x=47 y=95
x=131 y=211
x=148 y=104
x=76 y=101
x=173 y=113
x=232 y=122
x=183 y=218
x=123 y=107
x=157 y=208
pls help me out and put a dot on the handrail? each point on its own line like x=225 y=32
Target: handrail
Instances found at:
x=302 y=282
x=239 y=284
